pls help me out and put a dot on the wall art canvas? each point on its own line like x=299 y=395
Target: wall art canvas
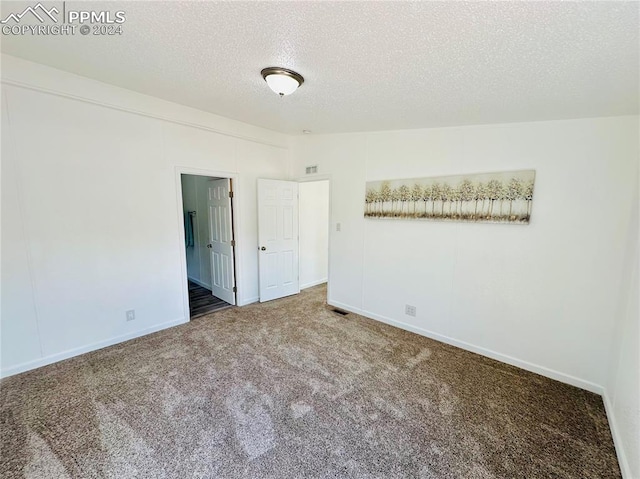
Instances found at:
x=503 y=197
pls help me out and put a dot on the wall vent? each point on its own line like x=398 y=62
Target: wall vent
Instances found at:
x=312 y=170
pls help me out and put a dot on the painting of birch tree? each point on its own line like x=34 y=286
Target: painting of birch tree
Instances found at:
x=503 y=197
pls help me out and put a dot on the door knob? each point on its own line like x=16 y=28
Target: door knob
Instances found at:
x=209 y=245
x=263 y=248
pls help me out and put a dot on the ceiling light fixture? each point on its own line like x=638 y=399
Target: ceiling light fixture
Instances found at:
x=281 y=80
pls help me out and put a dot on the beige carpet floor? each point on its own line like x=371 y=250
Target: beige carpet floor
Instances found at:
x=289 y=389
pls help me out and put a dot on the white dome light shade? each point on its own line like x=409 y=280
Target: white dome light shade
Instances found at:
x=282 y=84
x=281 y=80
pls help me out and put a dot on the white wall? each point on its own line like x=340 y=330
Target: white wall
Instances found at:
x=194 y=198
x=91 y=224
x=541 y=296
x=314 y=232
x=622 y=394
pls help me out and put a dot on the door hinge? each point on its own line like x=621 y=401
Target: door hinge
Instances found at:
x=231 y=194
x=233 y=243
x=235 y=289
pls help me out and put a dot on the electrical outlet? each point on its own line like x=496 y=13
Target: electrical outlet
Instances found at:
x=409 y=310
x=131 y=315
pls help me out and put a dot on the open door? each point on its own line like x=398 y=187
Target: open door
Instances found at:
x=278 y=238
x=221 y=242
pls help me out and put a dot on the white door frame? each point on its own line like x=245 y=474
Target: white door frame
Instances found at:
x=310 y=179
x=183 y=170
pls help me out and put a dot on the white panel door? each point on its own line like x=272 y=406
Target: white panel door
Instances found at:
x=278 y=238
x=221 y=242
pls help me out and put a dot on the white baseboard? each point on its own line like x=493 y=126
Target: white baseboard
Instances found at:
x=54 y=358
x=200 y=283
x=543 y=371
x=617 y=440
x=313 y=283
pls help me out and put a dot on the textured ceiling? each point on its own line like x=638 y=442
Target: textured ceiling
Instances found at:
x=367 y=65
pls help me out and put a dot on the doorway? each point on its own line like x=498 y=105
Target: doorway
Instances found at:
x=293 y=236
x=207 y=204
x=314 y=232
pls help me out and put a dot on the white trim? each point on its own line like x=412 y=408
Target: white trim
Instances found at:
x=70 y=353
x=543 y=371
x=617 y=440
x=313 y=283
x=199 y=283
